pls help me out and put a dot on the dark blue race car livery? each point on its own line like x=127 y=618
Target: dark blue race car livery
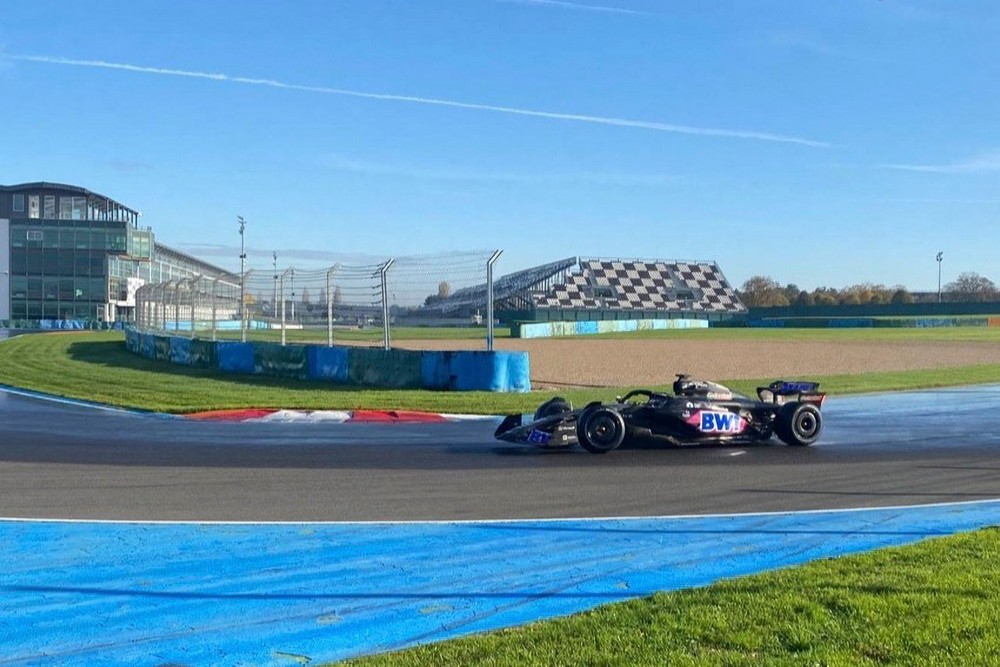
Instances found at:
x=698 y=412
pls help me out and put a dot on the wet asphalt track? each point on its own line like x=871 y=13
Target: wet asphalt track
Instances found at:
x=64 y=461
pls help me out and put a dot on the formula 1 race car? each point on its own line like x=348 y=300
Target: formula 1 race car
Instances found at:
x=698 y=412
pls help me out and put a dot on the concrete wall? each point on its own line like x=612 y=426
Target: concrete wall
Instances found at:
x=549 y=329
x=870 y=322
x=402 y=369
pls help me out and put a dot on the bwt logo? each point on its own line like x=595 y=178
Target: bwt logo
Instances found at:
x=721 y=422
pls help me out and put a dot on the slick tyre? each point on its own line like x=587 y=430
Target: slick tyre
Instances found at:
x=600 y=430
x=553 y=407
x=798 y=424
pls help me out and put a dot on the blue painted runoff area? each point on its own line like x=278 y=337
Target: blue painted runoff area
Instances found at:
x=75 y=593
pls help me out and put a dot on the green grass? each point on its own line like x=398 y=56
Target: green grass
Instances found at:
x=933 y=603
x=97 y=366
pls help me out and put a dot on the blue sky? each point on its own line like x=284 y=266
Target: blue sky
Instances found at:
x=820 y=143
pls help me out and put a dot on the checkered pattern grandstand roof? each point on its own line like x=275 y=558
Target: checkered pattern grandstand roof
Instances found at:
x=644 y=285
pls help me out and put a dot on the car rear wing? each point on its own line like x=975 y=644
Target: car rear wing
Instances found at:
x=783 y=391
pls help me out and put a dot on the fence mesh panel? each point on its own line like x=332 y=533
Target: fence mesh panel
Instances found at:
x=313 y=303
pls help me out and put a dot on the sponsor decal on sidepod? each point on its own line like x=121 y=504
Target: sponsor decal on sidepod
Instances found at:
x=709 y=421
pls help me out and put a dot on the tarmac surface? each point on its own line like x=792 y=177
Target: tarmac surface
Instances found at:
x=916 y=466
x=75 y=462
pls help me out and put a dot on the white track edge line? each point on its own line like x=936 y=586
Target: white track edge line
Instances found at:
x=460 y=522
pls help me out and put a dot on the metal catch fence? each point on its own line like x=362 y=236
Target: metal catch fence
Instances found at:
x=427 y=290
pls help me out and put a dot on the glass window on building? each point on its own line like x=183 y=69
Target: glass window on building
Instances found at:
x=51 y=239
x=65 y=208
x=18 y=261
x=66 y=262
x=18 y=287
x=18 y=203
x=98 y=266
x=50 y=263
x=79 y=208
x=34 y=209
x=50 y=289
x=81 y=264
x=98 y=289
x=49 y=212
x=34 y=256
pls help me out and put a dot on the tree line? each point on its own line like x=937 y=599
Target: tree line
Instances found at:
x=765 y=292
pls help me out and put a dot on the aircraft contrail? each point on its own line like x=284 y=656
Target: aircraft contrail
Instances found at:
x=599 y=120
x=563 y=4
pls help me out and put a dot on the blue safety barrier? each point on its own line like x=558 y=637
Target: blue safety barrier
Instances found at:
x=180 y=351
x=235 y=357
x=327 y=363
x=505 y=371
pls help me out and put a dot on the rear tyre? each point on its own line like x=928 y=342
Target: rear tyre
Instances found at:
x=556 y=405
x=798 y=424
x=600 y=430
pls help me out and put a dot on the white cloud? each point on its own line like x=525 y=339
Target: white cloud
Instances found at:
x=980 y=164
x=562 y=4
x=341 y=163
x=582 y=118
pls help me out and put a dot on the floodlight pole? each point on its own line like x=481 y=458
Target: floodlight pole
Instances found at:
x=489 y=298
x=939 y=257
x=243 y=280
x=274 y=301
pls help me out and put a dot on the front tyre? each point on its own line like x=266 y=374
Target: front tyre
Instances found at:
x=798 y=424
x=600 y=430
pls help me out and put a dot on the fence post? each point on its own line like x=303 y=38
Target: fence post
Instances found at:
x=243 y=305
x=177 y=306
x=162 y=304
x=194 y=300
x=282 y=289
x=386 y=341
x=489 y=298
x=329 y=305
x=215 y=287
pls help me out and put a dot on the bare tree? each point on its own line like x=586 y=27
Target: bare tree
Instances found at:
x=444 y=289
x=970 y=286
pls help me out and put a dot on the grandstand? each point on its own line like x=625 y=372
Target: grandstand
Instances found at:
x=510 y=292
x=573 y=289
x=644 y=285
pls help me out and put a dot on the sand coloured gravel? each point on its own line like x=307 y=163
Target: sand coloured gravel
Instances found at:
x=620 y=361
